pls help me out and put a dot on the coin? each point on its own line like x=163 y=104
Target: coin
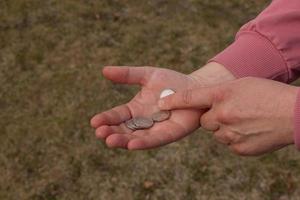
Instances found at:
x=166 y=92
x=138 y=123
x=129 y=124
x=143 y=122
x=161 y=116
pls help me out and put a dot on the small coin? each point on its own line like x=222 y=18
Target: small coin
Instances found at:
x=166 y=92
x=143 y=122
x=161 y=116
x=129 y=124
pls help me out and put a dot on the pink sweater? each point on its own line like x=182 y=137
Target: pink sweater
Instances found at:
x=269 y=47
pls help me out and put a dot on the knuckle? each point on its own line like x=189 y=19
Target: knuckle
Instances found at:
x=233 y=137
x=224 y=115
x=187 y=96
x=203 y=121
x=229 y=136
x=227 y=115
x=222 y=137
x=219 y=95
x=209 y=121
x=239 y=149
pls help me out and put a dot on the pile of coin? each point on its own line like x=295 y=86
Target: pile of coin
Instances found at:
x=138 y=123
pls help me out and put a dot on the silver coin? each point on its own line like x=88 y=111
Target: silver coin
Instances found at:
x=166 y=92
x=143 y=122
x=161 y=116
x=129 y=124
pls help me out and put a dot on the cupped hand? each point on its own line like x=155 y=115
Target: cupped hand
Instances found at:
x=252 y=116
x=110 y=125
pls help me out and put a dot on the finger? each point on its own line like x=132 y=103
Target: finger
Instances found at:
x=114 y=116
x=104 y=131
x=150 y=141
x=127 y=75
x=209 y=122
x=119 y=140
x=200 y=98
x=156 y=138
x=227 y=137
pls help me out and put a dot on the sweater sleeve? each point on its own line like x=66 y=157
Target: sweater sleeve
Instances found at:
x=268 y=46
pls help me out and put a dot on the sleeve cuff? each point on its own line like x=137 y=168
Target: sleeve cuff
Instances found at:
x=297 y=122
x=253 y=55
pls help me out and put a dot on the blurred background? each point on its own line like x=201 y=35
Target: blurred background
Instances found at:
x=51 y=56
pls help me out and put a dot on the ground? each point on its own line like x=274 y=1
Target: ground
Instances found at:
x=51 y=56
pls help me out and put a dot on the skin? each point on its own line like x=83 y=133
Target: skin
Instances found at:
x=110 y=126
x=252 y=116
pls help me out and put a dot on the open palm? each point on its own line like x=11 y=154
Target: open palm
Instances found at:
x=110 y=125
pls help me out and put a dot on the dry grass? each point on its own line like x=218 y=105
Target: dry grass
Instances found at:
x=51 y=54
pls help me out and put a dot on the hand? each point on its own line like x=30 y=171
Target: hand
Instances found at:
x=252 y=116
x=110 y=126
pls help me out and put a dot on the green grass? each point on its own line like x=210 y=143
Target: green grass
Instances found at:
x=51 y=55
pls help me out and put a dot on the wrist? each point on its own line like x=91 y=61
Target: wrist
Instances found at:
x=211 y=74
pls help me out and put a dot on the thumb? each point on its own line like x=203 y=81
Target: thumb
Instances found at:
x=127 y=75
x=199 y=98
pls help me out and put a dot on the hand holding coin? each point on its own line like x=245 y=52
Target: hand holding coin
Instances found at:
x=139 y=124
